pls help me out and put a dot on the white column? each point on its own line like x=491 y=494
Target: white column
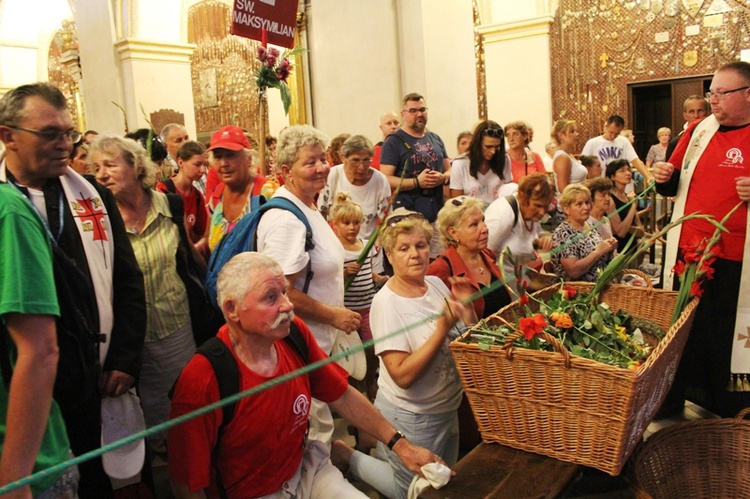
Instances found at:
x=156 y=75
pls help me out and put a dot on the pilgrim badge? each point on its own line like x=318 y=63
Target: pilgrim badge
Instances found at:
x=671 y=7
x=690 y=58
x=692 y=7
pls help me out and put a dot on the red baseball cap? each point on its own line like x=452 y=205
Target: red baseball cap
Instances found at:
x=229 y=137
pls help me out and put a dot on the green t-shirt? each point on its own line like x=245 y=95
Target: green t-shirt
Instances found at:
x=27 y=286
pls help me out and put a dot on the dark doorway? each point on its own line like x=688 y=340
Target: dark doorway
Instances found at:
x=654 y=104
x=652 y=109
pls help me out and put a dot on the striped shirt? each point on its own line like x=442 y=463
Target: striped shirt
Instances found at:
x=155 y=249
x=360 y=292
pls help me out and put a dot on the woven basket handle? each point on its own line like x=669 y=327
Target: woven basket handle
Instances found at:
x=742 y=414
x=508 y=346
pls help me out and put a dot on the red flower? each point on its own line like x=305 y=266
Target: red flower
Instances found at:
x=695 y=289
x=679 y=268
x=708 y=271
x=694 y=250
x=532 y=326
x=524 y=299
x=569 y=292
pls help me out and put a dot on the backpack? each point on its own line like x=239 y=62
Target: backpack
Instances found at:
x=244 y=238
x=169 y=184
x=204 y=318
x=228 y=377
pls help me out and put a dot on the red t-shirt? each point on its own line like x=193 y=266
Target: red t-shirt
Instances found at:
x=212 y=180
x=196 y=215
x=262 y=446
x=375 y=162
x=713 y=188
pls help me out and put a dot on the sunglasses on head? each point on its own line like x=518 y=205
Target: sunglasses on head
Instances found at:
x=495 y=133
x=458 y=201
x=395 y=219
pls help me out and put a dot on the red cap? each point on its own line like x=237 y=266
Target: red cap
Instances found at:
x=229 y=137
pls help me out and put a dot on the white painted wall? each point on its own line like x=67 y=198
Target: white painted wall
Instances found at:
x=354 y=72
x=519 y=84
x=450 y=81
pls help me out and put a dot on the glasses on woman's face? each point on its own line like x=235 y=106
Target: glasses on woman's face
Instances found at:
x=357 y=162
x=395 y=219
x=495 y=133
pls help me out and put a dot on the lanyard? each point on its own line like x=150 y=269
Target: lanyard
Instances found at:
x=44 y=220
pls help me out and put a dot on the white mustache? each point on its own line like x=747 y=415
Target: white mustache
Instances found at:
x=283 y=316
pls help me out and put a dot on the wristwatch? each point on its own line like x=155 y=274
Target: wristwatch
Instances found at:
x=398 y=436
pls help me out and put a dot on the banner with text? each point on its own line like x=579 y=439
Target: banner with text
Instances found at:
x=277 y=18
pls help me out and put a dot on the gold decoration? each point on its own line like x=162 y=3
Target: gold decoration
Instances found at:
x=479 y=61
x=690 y=58
x=232 y=60
x=64 y=69
x=583 y=30
x=603 y=58
x=692 y=7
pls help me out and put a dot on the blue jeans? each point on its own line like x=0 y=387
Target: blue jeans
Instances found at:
x=386 y=472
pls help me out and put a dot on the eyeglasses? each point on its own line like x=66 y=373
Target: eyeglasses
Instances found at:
x=356 y=162
x=720 y=94
x=495 y=133
x=415 y=110
x=458 y=201
x=395 y=219
x=72 y=135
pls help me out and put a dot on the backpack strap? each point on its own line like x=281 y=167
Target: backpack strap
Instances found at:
x=228 y=378
x=513 y=202
x=170 y=185
x=286 y=204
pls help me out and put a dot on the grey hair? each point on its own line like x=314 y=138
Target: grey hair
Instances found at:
x=355 y=144
x=295 y=137
x=132 y=152
x=238 y=276
x=165 y=130
x=12 y=103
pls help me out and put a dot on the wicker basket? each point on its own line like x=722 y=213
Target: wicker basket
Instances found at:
x=706 y=458
x=586 y=412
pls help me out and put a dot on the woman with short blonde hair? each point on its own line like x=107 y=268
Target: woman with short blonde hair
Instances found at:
x=581 y=253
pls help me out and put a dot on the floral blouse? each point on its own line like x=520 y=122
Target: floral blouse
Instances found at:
x=580 y=247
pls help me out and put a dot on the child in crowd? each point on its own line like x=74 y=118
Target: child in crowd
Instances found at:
x=347 y=217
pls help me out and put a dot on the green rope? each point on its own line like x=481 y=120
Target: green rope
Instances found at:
x=53 y=470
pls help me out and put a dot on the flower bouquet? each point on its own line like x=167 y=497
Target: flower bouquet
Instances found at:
x=274 y=71
x=584 y=327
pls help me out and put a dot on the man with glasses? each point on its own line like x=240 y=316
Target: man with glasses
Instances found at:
x=610 y=145
x=416 y=162
x=709 y=172
x=84 y=223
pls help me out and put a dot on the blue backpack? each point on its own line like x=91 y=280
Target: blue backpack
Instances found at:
x=244 y=238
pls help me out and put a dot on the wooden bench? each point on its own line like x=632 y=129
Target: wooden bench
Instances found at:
x=493 y=471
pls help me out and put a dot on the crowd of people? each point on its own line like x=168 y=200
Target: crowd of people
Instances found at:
x=132 y=236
